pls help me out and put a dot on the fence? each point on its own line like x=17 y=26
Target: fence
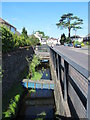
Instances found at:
x=75 y=85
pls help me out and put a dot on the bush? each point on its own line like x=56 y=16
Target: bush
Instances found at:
x=88 y=43
x=17 y=97
x=7 y=39
x=68 y=40
x=7 y=114
x=37 y=76
x=12 y=107
x=82 y=44
x=27 y=42
x=34 y=41
x=32 y=65
x=11 y=41
x=16 y=41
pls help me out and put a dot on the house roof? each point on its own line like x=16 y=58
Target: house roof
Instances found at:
x=4 y=22
x=88 y=35
x=18 y=33
x=77 y=36
x=53 y=38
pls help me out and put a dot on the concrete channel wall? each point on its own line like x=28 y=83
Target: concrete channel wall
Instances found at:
x=72 y=86
x=13 y=64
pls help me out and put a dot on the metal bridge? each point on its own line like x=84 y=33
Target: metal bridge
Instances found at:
x=40 y=84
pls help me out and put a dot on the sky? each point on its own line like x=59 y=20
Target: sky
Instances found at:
x=43 y=16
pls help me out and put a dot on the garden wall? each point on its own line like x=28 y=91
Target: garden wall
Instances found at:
x=13 y=64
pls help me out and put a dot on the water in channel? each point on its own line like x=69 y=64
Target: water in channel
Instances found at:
x=39 y=105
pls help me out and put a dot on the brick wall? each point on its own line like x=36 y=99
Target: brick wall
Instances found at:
x=13 y=64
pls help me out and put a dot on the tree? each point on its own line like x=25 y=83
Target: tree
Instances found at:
x=32 y=65
x=41 y=32
x=63 y=39
x=24 y=33
x=69 y=21
x=46 y=37
x=34 y=41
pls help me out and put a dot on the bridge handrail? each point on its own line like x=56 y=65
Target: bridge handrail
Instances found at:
x=79 y=68
x=75 y=87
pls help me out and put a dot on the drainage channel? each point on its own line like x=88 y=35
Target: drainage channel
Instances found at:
x=39 y=105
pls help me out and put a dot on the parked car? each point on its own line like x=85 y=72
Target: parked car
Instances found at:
x=77 y=45
x=70 y=45
x=57 y=44
x=65 y=44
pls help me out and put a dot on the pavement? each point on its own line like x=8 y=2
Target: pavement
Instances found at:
x=78 y=55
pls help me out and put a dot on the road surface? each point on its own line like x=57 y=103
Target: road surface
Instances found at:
x=79 y=56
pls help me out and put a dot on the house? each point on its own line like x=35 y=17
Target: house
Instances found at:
x=53 y=41
x=43 y=41
x=11 y=27
x=39 y=36
x=76 y=37
x=18 y=33
x=86 y=38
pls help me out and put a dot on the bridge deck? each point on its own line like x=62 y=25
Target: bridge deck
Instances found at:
x=42 y=52
x=42 y=84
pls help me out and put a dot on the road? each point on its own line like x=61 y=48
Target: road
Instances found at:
x=79 y=56
x=81 y=50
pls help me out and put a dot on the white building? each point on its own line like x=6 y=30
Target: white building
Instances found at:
x=53 y=41
x=39 y=36
x=43 y=41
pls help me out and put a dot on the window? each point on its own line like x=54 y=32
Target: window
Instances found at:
x=13 y=29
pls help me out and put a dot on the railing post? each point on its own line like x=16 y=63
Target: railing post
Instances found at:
x=41 y=85
x=34 y=85
x=58 y=67
x=51 y=54
x=27 y=83
x=49 y=85
x=65 y=80
x=54 y=61
x=88 y=100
